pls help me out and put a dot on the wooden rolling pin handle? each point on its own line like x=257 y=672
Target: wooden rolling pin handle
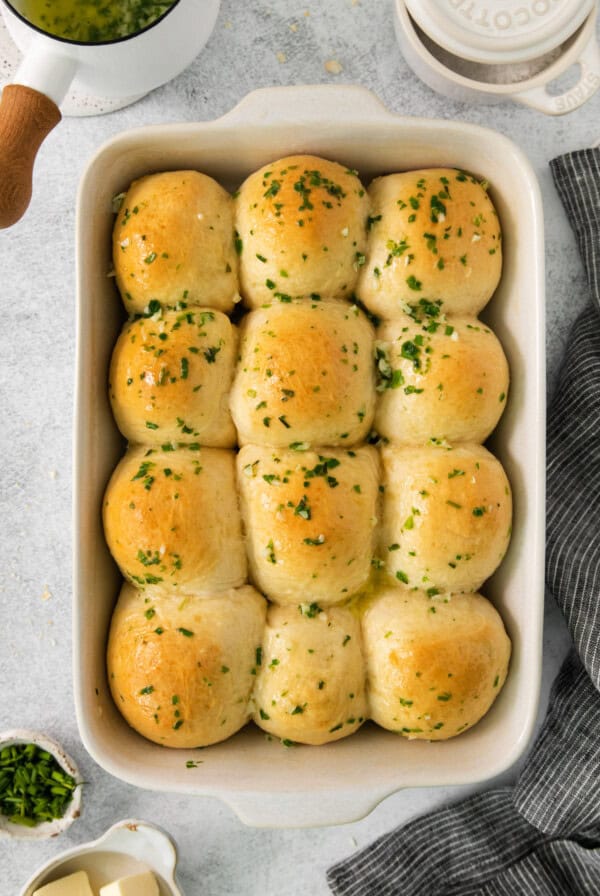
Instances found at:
x=26 y=118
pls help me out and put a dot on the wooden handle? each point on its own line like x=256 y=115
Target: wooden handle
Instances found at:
x=26 y=118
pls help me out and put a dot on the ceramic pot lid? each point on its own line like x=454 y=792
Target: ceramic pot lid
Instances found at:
x=493 y=32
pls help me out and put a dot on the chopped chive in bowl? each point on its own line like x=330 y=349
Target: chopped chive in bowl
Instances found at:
x=33 y=786
x=40 y=789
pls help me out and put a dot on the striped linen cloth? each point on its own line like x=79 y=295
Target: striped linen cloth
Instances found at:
x=542 y=837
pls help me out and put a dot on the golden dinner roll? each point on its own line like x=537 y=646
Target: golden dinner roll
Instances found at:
x=446 y=516
x=302 y=226
x=310 y=520
x=438 y=379
x=434 y=665
x=434 y=234
x=173 y=242
x=180 y=669
x=305 y=374
x=171 y=519
x=170 y=376
x=310 y=684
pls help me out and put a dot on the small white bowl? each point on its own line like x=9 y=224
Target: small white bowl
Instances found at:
x=128 y=847
x=46 y=828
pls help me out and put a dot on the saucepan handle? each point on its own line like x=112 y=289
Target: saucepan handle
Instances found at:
x=26 y=118
x=28 y=112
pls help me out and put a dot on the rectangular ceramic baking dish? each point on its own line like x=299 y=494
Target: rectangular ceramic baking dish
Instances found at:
x=266 y=783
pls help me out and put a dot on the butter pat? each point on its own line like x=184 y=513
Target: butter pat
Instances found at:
x=77 y=884
x=136 y=885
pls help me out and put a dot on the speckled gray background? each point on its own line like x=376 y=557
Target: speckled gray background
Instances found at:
x=255 y=44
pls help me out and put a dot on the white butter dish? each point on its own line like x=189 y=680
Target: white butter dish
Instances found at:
x=128 y=848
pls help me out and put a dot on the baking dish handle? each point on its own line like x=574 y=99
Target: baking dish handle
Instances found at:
x=589 y=81
x=308 y=103
x=303 y=810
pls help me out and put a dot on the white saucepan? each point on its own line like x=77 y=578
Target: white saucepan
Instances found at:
x=119 y=68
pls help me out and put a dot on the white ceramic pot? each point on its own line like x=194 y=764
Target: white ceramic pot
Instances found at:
x=471 y=52
x=127 y=67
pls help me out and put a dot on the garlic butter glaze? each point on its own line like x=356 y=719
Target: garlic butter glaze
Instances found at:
x=86 y=21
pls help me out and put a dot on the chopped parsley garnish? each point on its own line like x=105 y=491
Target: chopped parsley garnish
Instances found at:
x=303 y=508
x=211 y=353
x=322 y=469
x=315 y=542
x=272 y=189
x=148 y=558
x=310 y=610
x=143 y=474
x=411 y=351
x=395 y=249
x=438 y=209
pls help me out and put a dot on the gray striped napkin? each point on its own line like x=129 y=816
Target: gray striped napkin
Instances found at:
x=542 y=837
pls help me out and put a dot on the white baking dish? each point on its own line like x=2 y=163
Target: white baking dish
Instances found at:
x=266 y=783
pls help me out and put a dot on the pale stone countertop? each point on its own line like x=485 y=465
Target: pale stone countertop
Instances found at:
x=255 y=44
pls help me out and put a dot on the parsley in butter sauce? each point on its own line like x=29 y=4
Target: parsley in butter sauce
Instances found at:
x=92 y=21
